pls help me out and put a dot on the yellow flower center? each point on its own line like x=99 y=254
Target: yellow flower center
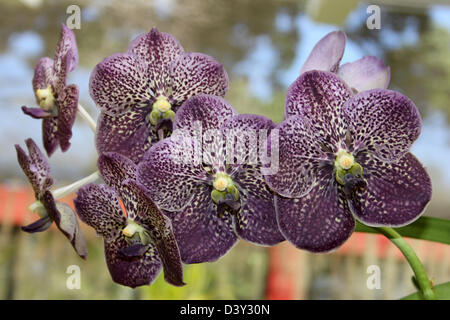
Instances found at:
x=344 y=160
x=221 y=181
x=131 y=228
x=220 y=184
x=46 y=98
x=162 y=104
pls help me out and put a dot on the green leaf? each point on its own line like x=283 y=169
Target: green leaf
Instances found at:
x=441 y=291
x=425 y=228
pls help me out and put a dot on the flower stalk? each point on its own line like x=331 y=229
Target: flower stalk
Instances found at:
x=420 y=274
x=66 y=190
x=85 y=115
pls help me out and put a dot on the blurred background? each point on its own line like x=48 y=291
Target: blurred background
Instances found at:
x=262 y=45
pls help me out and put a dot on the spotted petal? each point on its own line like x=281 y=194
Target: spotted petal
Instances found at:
x=43 y=74
x=365 y=74
x=127 y=133
x=318 y=222
x=397 y=193
x=246 y=137
x=319 y=96
x=131 y=271
x=115 y=169
x=382 y=121
x=171 y=171
x=327 y=53
x=202 y=236
x=300 y=156
x=66 y=53
x=35 y=166
x=196 y=73
x=119 y=83
x=203 y=112
x=66 y=221
x=67 y=112
x=159 y=227
x=98 y=206
x=157 y=50
x=50 y=134
x=256 y=221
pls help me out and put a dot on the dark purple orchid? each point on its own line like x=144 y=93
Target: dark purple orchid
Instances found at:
x=57 y=101
x=364 y=74
x=344 y=154
x=138 y=244
x=37 y=170
x=210 y=198
x=140 y=91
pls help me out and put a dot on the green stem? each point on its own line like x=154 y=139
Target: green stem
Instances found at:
x=419 y=271
x=71 y=188
x=66 y=190
x=86 y=116
x=425 y=228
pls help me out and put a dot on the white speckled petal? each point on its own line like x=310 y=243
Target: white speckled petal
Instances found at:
x=170 y=173
x=196 y=73
x=119 y=83
x=318 y=222
x=98 y=206
x=396 y=192
x=300 y=156
x=382 y=121
x=319 y=96
x=201 y=234
x=128 y=133
x=157 y=50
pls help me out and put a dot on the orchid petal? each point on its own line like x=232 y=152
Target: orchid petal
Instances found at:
x=67 y=112
x=157 y=50
x=196 y=73
x=50 y=134
x=365 y=74
x=396 y=194
x=319 y=96
x=36 y=113
x=201 y=234
x=300 y=156
x=327 y=53
x=382 y=121
x=98 y=206
x=131 y=272
x=318 y=222
x=127 y=134
x=119 y=83
x=170 y=173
